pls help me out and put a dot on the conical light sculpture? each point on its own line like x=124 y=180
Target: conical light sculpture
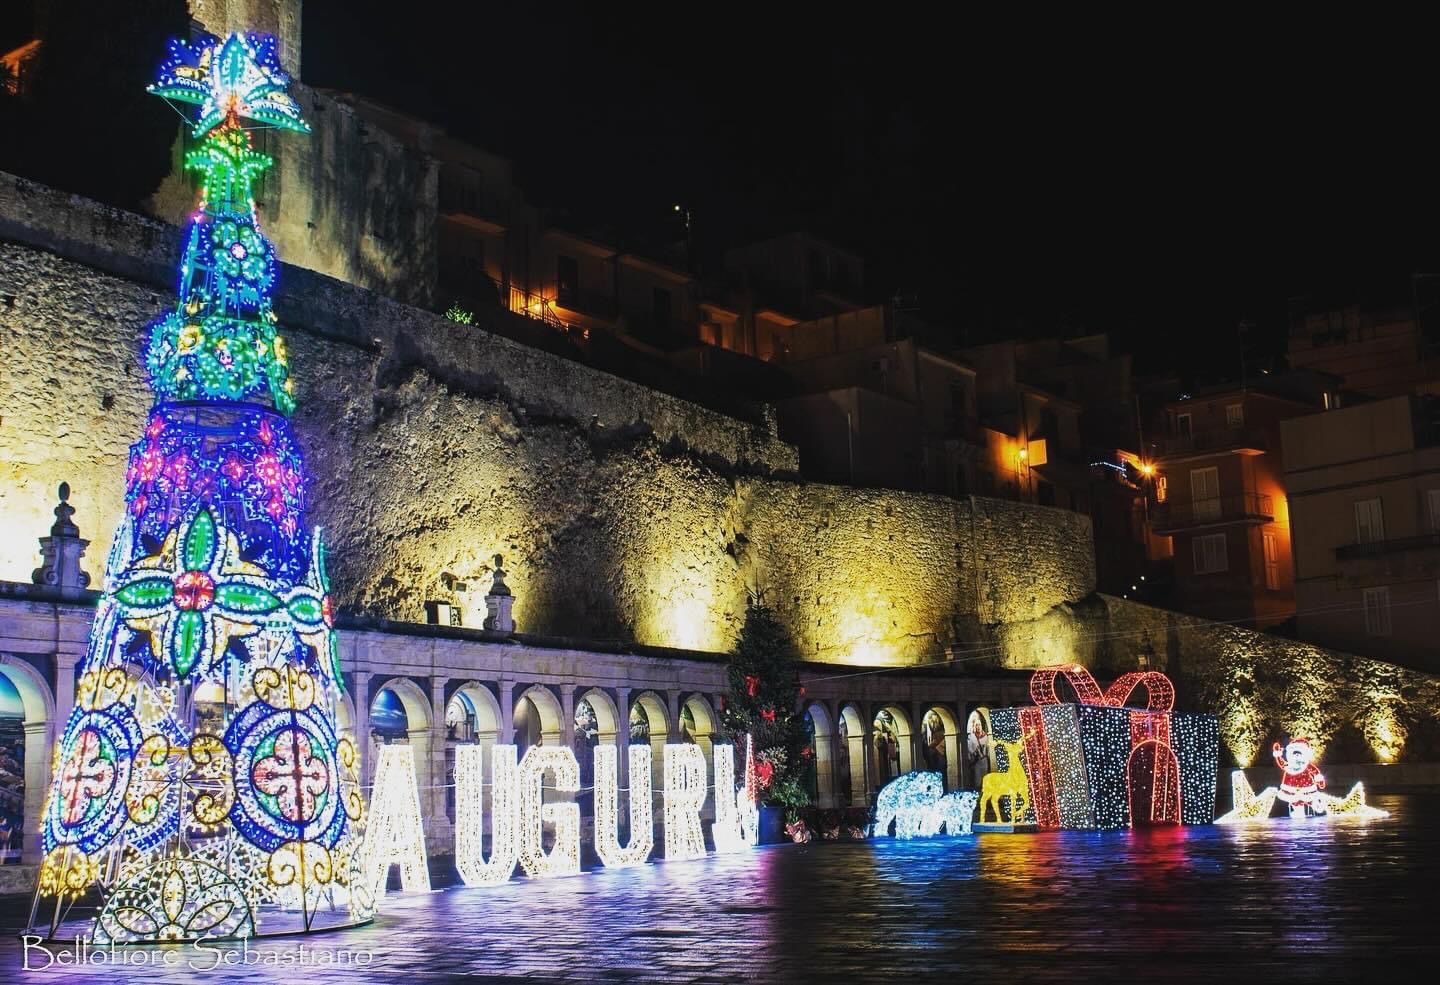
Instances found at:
x=201 y=785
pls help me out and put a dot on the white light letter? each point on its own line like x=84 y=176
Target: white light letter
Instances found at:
x=395 y=834
x=564 y=858
x=470 y=815
x=684 y=795
x=732 y=830
x=607 y=808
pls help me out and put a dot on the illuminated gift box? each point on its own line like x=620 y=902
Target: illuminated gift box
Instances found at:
x=1097 y=763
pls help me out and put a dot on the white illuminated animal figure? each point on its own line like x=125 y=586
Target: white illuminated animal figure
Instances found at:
x=906 y=801
x=954 y=812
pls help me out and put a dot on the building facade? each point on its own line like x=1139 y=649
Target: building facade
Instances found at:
x=1364 y=493
x=1219 y=495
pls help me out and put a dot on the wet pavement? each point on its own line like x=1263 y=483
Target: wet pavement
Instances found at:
x=1312 y=902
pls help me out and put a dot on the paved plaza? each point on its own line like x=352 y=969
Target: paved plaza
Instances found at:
x=1347 y=902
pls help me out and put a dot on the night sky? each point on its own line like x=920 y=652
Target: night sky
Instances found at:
x=1160 y=181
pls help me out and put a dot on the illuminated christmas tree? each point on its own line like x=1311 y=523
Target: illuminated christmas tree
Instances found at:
x=201 y=780
x=764 y=696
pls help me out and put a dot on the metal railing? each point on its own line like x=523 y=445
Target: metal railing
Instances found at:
x=1245 y=507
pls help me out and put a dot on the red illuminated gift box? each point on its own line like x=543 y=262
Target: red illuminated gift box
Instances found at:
x=1095 y=762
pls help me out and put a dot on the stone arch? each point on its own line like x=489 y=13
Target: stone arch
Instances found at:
x=412 y=698
x=486 y=725
x=39 y=726
x=603 y=731
x=954 y=746
x=607 y=714
x=823 y=750
x=418 y=717
x=856 y=764
x=979 y=714
x=707 y=727
x=549 y=724
x=650 y=707
x=888 y=766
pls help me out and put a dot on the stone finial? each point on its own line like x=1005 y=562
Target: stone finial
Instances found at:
x=498 y=586
x=60 y=553
x=498 y=601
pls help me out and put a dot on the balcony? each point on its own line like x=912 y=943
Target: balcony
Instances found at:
x=1211 y=442
x=1177 y=517
x=1380 y=548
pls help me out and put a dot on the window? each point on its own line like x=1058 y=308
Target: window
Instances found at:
x=1272 y=562
x=1162 y=488
x=1205 y=493
x=1369 y=522
x=567 y=280
x=1433 y=498
x=1234 y=415
x=1210 y=554
x=1182 y=425
x=1377 y=611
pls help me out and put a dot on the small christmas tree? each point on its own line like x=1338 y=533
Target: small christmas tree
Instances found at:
x=764 y=694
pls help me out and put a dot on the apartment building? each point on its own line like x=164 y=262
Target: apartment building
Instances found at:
x=1364 y=491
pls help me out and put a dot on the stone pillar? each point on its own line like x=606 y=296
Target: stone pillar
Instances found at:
x=360 y=698
x=65 y=664
x=567 y=715
x=917 y=736
x=438 y=818
x=38 y=741
x=507 y=711
x=868 y=724
x=60 y=553
x=672 y=708
x=622 y=737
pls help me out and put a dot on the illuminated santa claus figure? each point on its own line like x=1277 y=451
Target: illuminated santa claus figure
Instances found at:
x=1301 y=780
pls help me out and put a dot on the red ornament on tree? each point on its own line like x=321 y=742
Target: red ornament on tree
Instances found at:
x=752 y=685
x=768 y=714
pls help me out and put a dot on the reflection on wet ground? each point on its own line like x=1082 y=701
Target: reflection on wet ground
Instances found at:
x=1307 y=901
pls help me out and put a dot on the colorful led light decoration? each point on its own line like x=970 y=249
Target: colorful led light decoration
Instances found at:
x=1097 y=763
x=1301 y=789
x=201 y=784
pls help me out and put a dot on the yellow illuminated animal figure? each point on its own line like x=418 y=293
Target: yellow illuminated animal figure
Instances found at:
x=1012 y=783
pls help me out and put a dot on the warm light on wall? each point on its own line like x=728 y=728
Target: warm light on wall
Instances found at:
x=1385 y=733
